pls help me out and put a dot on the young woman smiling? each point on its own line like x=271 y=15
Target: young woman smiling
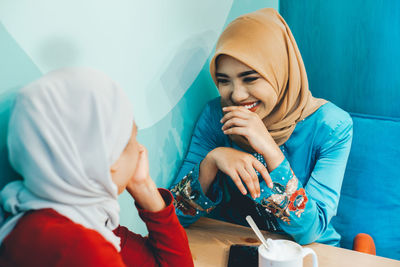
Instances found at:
x=265 y=147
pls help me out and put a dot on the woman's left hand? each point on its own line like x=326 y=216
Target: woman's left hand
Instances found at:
x=241 y=121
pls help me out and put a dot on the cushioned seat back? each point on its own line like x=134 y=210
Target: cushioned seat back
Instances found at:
x=370 y=196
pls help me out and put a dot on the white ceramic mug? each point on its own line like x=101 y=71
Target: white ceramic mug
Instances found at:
x=286 y=254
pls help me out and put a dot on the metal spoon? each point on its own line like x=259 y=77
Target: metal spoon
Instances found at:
x=257 y=231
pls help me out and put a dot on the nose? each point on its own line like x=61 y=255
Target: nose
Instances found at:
x=239 y=93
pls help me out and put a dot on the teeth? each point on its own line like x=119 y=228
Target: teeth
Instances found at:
x=251 y=106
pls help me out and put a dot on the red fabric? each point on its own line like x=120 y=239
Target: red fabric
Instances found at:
x=46 y=238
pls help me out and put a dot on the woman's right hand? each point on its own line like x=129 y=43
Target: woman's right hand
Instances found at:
x=239 y=166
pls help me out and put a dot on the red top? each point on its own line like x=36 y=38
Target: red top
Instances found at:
x=47 y=238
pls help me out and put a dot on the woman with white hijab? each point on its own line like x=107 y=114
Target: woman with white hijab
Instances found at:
x=72 y=138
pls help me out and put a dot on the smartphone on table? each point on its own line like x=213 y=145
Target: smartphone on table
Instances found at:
x=243 y=256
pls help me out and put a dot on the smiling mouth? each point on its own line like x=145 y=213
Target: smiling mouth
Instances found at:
x=251 y=106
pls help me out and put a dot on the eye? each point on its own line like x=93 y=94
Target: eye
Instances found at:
x=222 y=81
x=250 y=79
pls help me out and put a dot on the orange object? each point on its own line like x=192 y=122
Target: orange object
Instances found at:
x=364 y=243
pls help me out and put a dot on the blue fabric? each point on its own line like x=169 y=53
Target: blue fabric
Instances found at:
x=317 y=152
x=370 y=201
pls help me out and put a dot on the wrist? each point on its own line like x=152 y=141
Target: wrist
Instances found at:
x=207 y=171
x=266 y=150
x=147 y=185
x=273 y=157
x=147 y=196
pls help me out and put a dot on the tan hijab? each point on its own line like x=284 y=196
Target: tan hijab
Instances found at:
x=263 y=41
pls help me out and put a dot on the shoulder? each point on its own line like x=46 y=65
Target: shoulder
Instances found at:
x=330 y=119
x=46 y=231
x=327 y=126
x=332 y=116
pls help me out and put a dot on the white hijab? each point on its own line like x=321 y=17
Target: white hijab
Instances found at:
x=65 y=132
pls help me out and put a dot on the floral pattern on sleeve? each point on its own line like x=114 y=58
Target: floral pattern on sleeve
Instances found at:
x=286 y=199
x=188 y=197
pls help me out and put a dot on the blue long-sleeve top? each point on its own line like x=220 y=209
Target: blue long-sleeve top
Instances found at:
x=307 y=183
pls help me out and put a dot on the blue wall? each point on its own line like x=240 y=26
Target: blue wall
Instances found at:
x=351 y=51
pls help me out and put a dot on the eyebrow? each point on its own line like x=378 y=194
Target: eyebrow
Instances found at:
x=245 y=73
x=218 y=74
x=242 y=74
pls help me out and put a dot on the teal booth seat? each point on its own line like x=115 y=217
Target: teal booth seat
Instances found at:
x=350 y=50
x=370 y=196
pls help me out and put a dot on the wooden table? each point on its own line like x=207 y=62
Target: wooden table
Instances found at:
x=210 y=240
